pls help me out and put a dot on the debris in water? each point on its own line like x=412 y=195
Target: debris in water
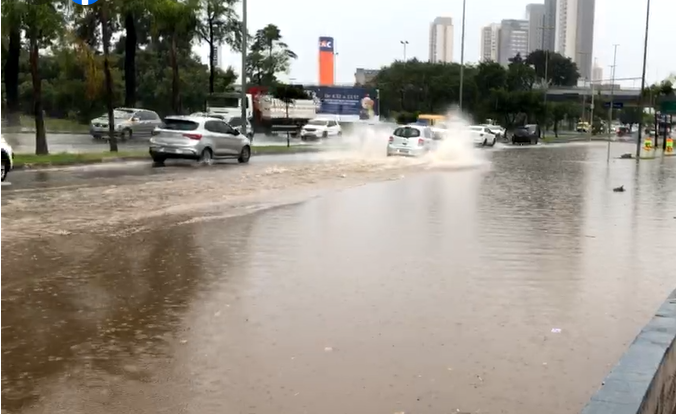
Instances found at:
x=619 y=189
x=328 y=349
x=184 y=341
x=556 y=330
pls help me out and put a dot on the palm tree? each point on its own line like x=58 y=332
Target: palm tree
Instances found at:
x=276 y=54
x=174 y=21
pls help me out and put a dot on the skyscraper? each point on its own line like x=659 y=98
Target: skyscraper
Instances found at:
x=441 y=40
x=550 y=26
x=535 y=14
x=490 y=38
x=513 y=40
x=597 y=74
x=575 y=32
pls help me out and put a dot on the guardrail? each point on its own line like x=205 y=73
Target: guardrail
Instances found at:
x=644 y=380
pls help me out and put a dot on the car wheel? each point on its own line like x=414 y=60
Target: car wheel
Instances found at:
x=493 y=141
x=125 y=135
x=325 y=134
x=245 y=155
x=483 y=144
x=5 y=167
x=158 y=160
x=207 y=157
x=340 y=133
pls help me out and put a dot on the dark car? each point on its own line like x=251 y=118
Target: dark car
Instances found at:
x=527 y=134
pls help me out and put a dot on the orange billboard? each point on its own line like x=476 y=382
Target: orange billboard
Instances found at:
x=326 y=56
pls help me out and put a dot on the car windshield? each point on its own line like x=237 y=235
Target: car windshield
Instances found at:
x=319 y=122
x=179 y=124
x=407 y=132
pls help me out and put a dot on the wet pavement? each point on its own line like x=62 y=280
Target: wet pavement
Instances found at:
x=347 y=285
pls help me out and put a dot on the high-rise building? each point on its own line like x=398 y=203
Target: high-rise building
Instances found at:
x=535 y=14
x=441 y=40
x=575 y=32
x=490 y=38
x=549 y=42
x=513 y=40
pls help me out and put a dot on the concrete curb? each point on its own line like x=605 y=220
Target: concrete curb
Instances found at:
x=142 y=157
x=644 y=380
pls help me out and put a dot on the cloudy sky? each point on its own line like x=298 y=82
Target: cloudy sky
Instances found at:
x=368 y=33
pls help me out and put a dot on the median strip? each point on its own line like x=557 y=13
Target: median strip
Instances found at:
x=65 y=158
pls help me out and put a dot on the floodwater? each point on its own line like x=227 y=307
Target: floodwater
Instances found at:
x=364 y=286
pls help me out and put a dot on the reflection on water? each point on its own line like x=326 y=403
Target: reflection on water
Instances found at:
x=435 y=293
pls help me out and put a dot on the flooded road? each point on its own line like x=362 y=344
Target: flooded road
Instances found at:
x=348 y=285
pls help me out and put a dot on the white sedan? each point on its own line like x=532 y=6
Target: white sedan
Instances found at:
x=320 y=128
x=482 y=136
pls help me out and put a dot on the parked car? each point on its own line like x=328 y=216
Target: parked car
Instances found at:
x=320 y=128
x=7 y=158
x=199 y=138
x=527 y=134
x=482 y=135
x=129 y=123
x=411 y=140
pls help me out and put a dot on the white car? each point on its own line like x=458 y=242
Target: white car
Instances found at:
x=320 y=128
x=482 y=136
x=497 y=130
x=411 y=140
x=7 y=158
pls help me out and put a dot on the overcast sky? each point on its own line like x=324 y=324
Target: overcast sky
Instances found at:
x=367 y=33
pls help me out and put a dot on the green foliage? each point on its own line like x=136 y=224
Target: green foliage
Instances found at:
x=561 y=71
x=268 y=56
x=288 y=93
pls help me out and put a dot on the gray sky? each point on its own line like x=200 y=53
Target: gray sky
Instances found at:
x=367 y=33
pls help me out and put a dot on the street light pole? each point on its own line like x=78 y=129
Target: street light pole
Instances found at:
x=640 y=97
x=335 y=61
x=245 y=45
x=462 y=56
x=546 y=79
x=404 y=42
x=591 y=116
x=612 y=97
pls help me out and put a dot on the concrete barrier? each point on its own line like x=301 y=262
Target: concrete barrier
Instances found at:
x=644 y=380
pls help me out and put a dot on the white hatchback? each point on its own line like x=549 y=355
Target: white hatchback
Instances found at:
x=411 y=140
x=482 y=136
x=320 y=128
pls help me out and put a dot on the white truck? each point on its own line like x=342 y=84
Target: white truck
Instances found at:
x=229 y=104
x=273 y=115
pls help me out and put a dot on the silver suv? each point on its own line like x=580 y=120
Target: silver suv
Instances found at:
x=198 y=138
x=129 y=123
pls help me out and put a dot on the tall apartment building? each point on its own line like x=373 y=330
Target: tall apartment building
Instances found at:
x=490 y=38
x=575 y=32
x=549 y=34
x=513 y=40
x=535 y=14
x=597 y=74
x=441 y=40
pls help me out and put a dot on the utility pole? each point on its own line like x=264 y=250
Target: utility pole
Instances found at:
x=462 y=56
x=640 y=96
x=245 y=45
x=593 y=93
x=612 y=97
x=404 y=42
x=335 y=60
x=546 y=79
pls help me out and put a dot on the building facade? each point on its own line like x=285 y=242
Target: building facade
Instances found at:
x=441 y=40
x=597 y=74
x=513 y=40
x=549 y=31
x=490 y=42
x=535 y=14
x=365 y=76
x=575 y=33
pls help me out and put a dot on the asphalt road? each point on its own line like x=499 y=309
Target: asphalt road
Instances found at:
x=498 y=280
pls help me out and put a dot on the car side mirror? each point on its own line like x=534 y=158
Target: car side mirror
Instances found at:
x=134 y=119
x=236 y=132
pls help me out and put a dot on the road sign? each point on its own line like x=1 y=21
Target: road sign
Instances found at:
x=668 y=107
x=616 y=105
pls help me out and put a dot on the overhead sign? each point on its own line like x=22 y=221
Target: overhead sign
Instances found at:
x=668 y=107
x=326 y=44
x=616 y=105
x=348 y=104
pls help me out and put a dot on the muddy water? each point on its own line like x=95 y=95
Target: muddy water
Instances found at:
x=434 y=292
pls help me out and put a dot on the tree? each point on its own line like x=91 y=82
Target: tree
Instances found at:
x=560 y=70
x=12 y=11
x=269 y=55
x=136 y=21
x=42 y=22
x=288 y=94
x=631 y=115
x=520 y=76
x=489 y=76
x=560 y=111
x=105 y=37
x=175 y=21
x=219 y=24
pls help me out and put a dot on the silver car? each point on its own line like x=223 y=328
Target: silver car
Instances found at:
x=411 y=140
x=198 y=138
x=129 y=123
x=234 y=121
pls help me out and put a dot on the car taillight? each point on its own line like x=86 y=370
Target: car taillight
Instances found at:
x=421 y=142
x=193 y=136
x=391 y=139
